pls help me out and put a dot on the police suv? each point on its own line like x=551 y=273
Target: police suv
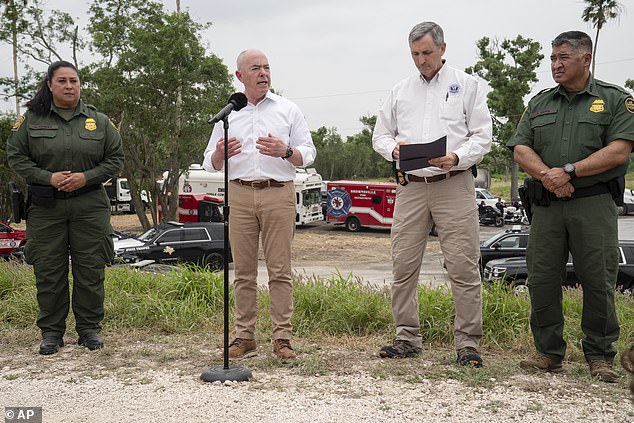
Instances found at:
x=201 y=243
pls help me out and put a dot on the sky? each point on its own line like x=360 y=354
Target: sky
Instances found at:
x=338 y=59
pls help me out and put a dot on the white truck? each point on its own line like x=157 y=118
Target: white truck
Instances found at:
x=196 y=180
x=118 y=191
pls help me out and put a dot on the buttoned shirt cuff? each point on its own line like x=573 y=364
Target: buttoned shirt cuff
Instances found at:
x=308 y=155
x=208 y=165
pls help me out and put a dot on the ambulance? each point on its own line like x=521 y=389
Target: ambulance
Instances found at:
x=357 y=204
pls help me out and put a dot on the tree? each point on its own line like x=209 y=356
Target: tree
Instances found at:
x=328 y=144
x=629 y=84
x=598 y=12
x=509 y=68
x=150 y=61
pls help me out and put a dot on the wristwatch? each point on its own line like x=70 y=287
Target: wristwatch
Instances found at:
x=289 y=152
x=570 y=169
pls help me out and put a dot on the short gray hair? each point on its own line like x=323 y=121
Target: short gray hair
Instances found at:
x=424 y=28
x=579 y=41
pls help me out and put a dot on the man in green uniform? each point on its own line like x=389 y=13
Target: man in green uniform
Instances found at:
x=574 y=140
x=65 y=149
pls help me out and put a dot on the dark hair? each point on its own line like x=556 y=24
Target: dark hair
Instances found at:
x=41 y=102
x=578 y=40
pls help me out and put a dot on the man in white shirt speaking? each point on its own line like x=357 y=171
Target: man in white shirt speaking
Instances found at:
x=267 y=139
x=442 y=104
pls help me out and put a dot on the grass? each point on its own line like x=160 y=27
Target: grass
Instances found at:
x=191 y=302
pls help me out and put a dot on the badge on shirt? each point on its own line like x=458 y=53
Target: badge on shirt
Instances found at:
x=597 y=106
x=19 y=121
x=91 y=124
x=629 y=104
x=454 y=89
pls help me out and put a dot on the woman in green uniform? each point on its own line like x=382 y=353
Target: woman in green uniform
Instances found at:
x=65 y=150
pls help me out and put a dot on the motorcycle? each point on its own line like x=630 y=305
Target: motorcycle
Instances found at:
x=490 y=216
x=515 y=216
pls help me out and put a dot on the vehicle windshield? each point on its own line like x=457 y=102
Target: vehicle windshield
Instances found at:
x=147 y=236
x=486 y=194
x=312 y=196
x=124 y=184
x=491 y=240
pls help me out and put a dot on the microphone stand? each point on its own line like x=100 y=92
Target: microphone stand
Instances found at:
x=226 y=372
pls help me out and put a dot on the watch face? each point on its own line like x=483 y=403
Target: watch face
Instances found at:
x=569 y=168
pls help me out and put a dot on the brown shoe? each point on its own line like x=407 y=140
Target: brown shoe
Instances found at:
x=541 y=363
x=242 y=348
x=602 y=370
x=283 y=350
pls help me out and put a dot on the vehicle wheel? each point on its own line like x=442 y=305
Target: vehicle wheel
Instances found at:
x=434 y=230
x=519 y=287
x=499 y=221
x=353 y=224
x=214 y=261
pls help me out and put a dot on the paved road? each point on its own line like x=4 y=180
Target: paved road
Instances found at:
x=432 y=272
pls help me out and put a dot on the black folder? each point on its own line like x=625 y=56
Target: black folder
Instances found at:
x=416 y=156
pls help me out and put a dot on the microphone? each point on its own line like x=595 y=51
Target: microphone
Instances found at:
x=237 y=101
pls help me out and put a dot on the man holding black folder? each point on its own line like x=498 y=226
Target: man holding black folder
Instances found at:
x=436 y=126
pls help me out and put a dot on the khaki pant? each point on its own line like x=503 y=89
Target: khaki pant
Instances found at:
x=270 y=212
x=450 y=204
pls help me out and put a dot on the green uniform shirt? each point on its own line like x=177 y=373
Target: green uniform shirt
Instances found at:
x=41 y=145
x=565 y=128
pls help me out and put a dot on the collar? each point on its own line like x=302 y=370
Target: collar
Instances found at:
x=439 y=75
x=590 y=89
x=81 y=109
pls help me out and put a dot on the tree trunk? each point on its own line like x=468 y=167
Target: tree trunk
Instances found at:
x=514 y=175
x=16 y=79
x=594 y=52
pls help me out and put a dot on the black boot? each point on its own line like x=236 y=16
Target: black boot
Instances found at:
x=50 y=345
x=91 y=340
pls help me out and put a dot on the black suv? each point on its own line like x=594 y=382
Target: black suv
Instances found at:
x=509 y=243
x=514 y=270
x=201 y=243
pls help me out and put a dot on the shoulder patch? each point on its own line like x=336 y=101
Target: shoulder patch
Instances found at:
x=546 y=90
x=629 y=104
x=18 y=122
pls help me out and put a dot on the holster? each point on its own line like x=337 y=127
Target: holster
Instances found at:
x=17 y=203
x=616 y=187
x=399 y=176
x=42 y=195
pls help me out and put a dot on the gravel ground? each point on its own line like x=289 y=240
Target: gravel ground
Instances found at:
x=152 y=381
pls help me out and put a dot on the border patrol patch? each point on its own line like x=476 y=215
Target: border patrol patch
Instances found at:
x=91 y=124
x=18 y=122
x=597 y=106
x=629 y=104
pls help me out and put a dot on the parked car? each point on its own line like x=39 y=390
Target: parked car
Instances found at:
x=484 y=195
x=11 y=241
x=201 y=243
x=628 y=202
x=509 y=243
x=514 y=270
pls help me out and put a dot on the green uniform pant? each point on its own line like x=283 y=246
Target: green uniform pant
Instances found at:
x=79 y=227
x=588 y=228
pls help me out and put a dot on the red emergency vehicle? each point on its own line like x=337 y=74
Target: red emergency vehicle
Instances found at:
x=356 y=204
x=10 y=240
x=198 y=208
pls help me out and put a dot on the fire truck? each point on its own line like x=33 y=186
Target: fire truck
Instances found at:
x=356 y=204
x=196 y=180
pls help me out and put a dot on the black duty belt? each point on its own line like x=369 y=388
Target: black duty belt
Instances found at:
x=259 y=184
x=435 y=178
x=596 y=189
x=60 y=195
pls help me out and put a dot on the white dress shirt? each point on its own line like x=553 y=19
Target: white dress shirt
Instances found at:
x=452 y=104
x=273 y=115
